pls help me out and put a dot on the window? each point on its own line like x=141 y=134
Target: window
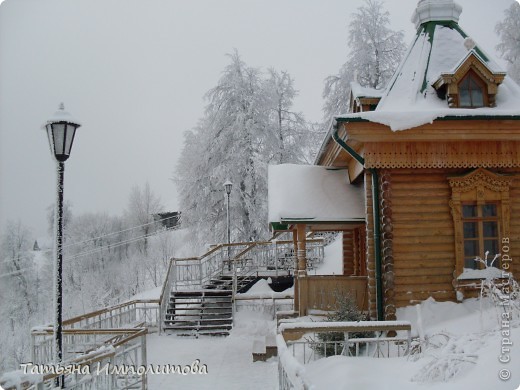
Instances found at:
x=481 y=209
x=481 y=233
x=471 y=91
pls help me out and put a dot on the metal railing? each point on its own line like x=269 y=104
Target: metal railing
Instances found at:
x=237 y=260
x=298 y=345
x=111 y=337
x=274 y=256
x=290 y=371
x=141 y=311
x=93 y=359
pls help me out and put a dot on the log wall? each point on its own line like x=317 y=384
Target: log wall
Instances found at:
x=424 y=236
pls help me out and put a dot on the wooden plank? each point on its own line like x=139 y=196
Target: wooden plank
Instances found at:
x=423 y=248
x=424 y=256
x=419 y=201
x=422 y=239
x=420 y=232
x=414 y=263
x=420 y=192
x=430 y=271
x=424 y=287
x=424 y=280
x=439 y=208
x=424 y=217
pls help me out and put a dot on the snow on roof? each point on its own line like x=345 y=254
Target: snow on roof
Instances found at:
x=313 y=193
x=410 y=100
x=429 y=10
x=359 y=91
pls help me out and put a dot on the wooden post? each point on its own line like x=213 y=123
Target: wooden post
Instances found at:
x=301 y=251
x=303 y=289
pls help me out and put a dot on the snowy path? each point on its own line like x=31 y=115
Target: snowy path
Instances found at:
x=228 y=359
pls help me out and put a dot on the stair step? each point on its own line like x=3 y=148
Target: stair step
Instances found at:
x=215 y=333
x=218 y=316
x=201 y=293
x=206 y=309
x=198 y=327
x=186 y=301
x=200 y=320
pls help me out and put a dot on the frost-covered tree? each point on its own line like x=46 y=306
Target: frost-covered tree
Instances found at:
x=17 y=262
x=227 y=144
x=375 y=51
x=24 y=293
x=248 y=124
x=509 y=33
x=287 y=129
x=143 y=204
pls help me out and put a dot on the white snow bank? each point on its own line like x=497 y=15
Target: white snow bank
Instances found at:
x=487 y=273
x=154 y=293
x=228 y=359
x=332 y=260
x=262 y=290
x=463 y=350
x=336 y=324
x=313 y=193
x=359 y=91
x=17 y=378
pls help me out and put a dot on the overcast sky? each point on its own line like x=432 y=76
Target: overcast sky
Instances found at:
x=134 y=74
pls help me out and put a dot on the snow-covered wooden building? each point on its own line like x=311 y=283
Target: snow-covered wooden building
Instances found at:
x=427 y=173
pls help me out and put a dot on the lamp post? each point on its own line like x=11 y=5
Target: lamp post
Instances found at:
x=228 y=185
x=61 y=129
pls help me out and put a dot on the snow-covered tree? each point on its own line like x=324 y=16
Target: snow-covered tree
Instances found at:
x=143 y=204
x=248 y=123
x=509 y=33
x=375 y=52
x=24 y=292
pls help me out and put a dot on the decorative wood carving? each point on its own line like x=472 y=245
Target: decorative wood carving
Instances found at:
x=469 y=154
x=472 y=63
x=479 y=186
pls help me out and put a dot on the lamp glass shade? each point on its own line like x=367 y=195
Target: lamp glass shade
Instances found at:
x=227 y=186
x=61 y=137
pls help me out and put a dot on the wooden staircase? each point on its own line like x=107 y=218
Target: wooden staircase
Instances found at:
x=207 y=311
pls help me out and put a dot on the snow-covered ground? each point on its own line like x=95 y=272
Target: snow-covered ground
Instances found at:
x=229 y=359
x=461 y=350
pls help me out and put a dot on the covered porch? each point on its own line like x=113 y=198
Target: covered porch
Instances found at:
x=307 y=201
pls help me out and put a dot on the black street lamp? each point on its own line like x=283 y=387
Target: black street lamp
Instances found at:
x=61 y=129
x=228 y=185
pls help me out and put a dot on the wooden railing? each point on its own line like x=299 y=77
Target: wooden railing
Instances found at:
x=322 y=291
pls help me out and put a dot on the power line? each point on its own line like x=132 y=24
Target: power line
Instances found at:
x=101 y=248
x=120 y=231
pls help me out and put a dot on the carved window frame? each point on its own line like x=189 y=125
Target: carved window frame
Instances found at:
x=479 y=186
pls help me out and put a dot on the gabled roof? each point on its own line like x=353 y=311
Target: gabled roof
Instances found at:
x=440 y=46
